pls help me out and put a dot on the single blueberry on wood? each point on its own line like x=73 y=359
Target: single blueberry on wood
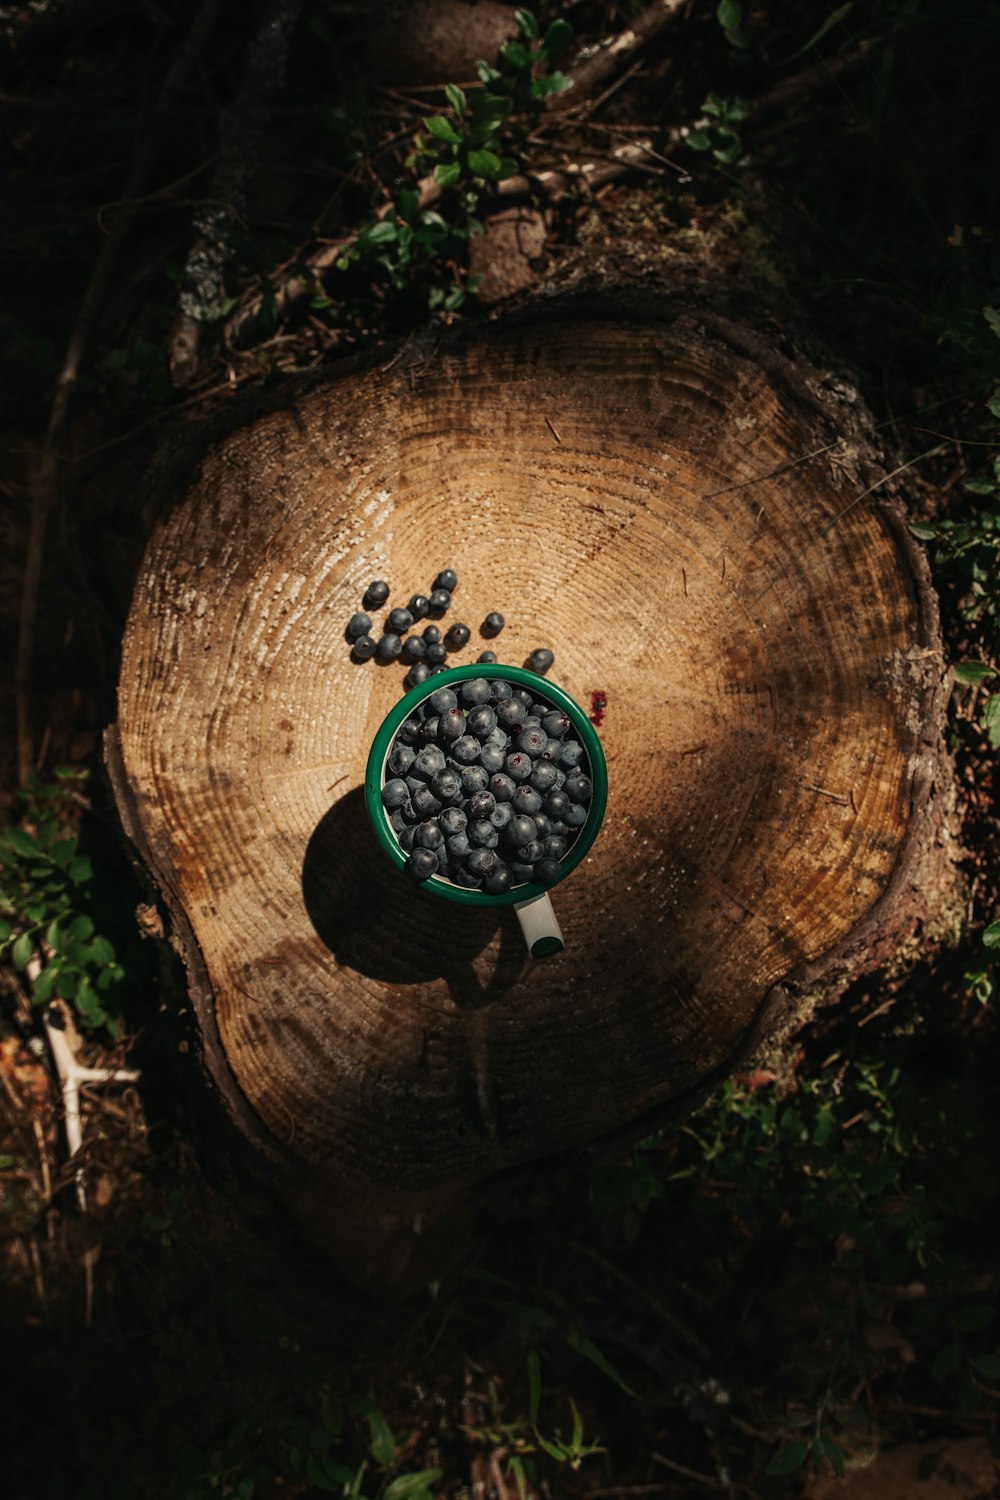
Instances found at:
x=419 y=606
x=494 y=623
x=437 y=654
x=399 y=620
x=376 y=593
x=431 y=634
x=446 y=579
x=457 y=636
x=440 y=600
x=541 y=660
x=486 y=656
x=363 y=648
x=358 y=624
x=389 y=647
x=414 y=649
x=417 y=674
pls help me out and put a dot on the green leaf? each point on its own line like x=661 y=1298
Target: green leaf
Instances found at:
x=81 y=928
x=383 y=233
x=699 y=139
x=789 y=1457
x=729 y=14
x=971 y=1319
x=456 y=98
x=528 y=24
x=45 y=983
x=408 y=204
x=973 y=671
x=383 y=1444
x=22 y=843
x=992 y=316
x=921 y=532
x=447 y=173
x=987 y=1365
x=454 y=299
x=991 y=936
x=980 y=486
x=415 y=1486
x=824 y=1447
x=557 y=38
x=485 y=73
x=945 y=1361
x=990 y=719
x=102 y=951
x=579 y=1341
x=555 y=83
x=22 y=951
x=81 y=870
x=993 y=403
x=443 y=129
x=831 y=21
x=534 y=1385
x=516 y=55
x=485 y=164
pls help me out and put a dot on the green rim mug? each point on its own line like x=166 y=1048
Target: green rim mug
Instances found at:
x=530 y=902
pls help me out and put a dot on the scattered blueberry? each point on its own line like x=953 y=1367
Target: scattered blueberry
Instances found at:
x=419 y=606
x=437 y=654
x=363 y=648
x=389 y=647
x=417 y=674
x=541 y=660
x=486 y=656
x=399 y=620
x=494 y=623
x=440 y=600
x=376 y=593
x=432 y=635
x=358 y=624
x=446 y=579
x=414 y=649
x=457 y=636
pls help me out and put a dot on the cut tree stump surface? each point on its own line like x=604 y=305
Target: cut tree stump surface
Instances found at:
x=679 y=512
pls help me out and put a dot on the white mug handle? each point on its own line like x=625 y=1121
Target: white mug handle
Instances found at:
x=539 y=926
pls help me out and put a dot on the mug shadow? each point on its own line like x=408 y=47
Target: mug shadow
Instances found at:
x=374 y=920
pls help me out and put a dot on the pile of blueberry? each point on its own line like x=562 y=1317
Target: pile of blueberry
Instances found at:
x=486 y=786
x=426 y=654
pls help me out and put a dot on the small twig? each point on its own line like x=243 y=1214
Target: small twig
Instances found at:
x=615 y=55
x=43 y=1158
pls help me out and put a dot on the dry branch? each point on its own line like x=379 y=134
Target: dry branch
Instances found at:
x=612 y=57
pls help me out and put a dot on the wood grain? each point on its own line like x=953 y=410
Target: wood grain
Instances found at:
x=638 y=495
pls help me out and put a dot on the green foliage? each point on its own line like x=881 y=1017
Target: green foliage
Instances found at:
x=719 y=134
x=47 y=905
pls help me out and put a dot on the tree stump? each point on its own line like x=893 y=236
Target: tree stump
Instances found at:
x=697 y=525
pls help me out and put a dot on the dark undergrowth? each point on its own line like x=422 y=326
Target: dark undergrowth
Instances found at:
x=803 y=1276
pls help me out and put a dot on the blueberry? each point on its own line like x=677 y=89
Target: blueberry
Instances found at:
x=557 y=725
x=499 y=880
x=541 y=660
x=500 y=690
x=572 y=754
x=422 y=864
x=395 y=793
x=419 y=606
x=358 y=624
x=437 y=654
x=443 y=698
x=474 y=778
x=556 y=804
x=521 y=872
x=399 y=620
x=451 y=725
x=408 y=731
x=482 y=834
x=414 y=649
x=553 y=749
x=425 y=804
x=547 y=870
x=429 y=835
x=412 y=782
x=431 y=635
x=417 y=674
x=520 y=830
x=465 y=877
x=526 y=800
x=492 y=758
x=401 y=758
x=523 y=696
x=363 y=648
x=398 y=818
x=543 y=824
x=532 y=721
x=446 y=579
x=457 y=636
x=376 y=593
x=518 y=766
x=575 y=815
x=452 y=819
x=578 y=787
x=494 y=623
x=482 y=721
x=543 y=776
x=406 y=837
x=466 y=749
x=474 y=690
x=501 y=815
x=486 y=656
x=427 y=733
x=529 y=852
x=389 y=647
x=447 y=786
x=532 y=742
x=502 y=787
x=430 y=760
x=440 y=600
x=555 y=846
x=481 y=861
x=510 y=713
x=481 y=804
x=457 y=845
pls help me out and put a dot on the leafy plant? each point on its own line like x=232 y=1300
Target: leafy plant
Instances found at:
x=46 y=905
x=719 y=134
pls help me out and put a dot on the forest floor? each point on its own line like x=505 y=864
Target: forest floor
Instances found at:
x=796 y=1292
